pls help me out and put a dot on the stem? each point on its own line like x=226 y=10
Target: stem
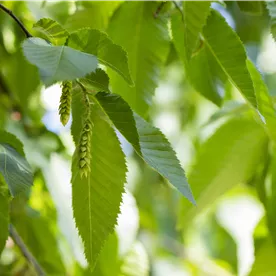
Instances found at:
x=25 y=251
x=10 y=13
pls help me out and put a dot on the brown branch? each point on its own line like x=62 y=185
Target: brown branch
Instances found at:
x=10 y=13
x=25 y=251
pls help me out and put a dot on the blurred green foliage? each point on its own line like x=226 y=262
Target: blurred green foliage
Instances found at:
x=225 y=143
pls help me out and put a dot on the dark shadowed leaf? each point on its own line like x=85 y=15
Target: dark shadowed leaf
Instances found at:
x=4 y=216
x=251 y=7
x=14 y=167
x=149 y=142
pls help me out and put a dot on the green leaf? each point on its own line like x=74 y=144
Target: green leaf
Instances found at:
x=202 y=66
x=228 y=50
x=14 y=167
x=4 y=217
x=99 y=11
x=99 y=44
x=226 y=159
x=195 y=14
x=97 y=198
x=39 y=237
x=96 y=82
x=264 y=264
x=22 y=79
x=58 y=63
x=218 y=242
x=109 y=262
x=149 y=142
x=271 y=6
x=229 y=109
x=52 y=30
x=251 y=7
x=264 y=101
x=147 y=42
x=269 y=198
x=135 y=262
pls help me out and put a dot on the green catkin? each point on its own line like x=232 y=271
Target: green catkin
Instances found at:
x=84 y=148
x=85 y=139
x=65 y=102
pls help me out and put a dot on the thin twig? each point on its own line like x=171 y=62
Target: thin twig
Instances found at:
x=25 y=251
x=10 y=13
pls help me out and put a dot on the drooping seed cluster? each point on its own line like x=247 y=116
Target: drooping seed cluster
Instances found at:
x=84 y=148
x=65 y=102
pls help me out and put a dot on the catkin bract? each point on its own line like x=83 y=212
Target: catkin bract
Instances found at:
x=65 y=102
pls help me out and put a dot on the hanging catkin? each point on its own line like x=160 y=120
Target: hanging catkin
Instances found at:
x=84 y=148
x=85 y=139
x=65 y=102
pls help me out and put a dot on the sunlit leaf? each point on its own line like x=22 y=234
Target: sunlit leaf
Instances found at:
x=264 y=101
x=146 y=40
x=229 y=156
x=52 y=31
x=195 y=14
x=58 y=63
x=269 y=198
x=229 y=52
x=135 y=262
x=100 y=45
x=271 y=6
x=200 y=69
x=264 y=260
x=97 y=198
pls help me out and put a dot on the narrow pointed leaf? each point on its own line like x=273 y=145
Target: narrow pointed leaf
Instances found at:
x=264 y=263
x=264 y=101
x=251 y=7
x=99 y=44
x=4 y=217
x=136 y=262
x=37 y=233
x=146 y=40
x=201 y=66
x=269 y=198
x=97 y=198
x=96 y=81
x=149 y=142
x=58 y=63
x=195 y=14
x=229 y=156
x=229 y=52
x=271 y=6
x=52 y=31
x=14 y=167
